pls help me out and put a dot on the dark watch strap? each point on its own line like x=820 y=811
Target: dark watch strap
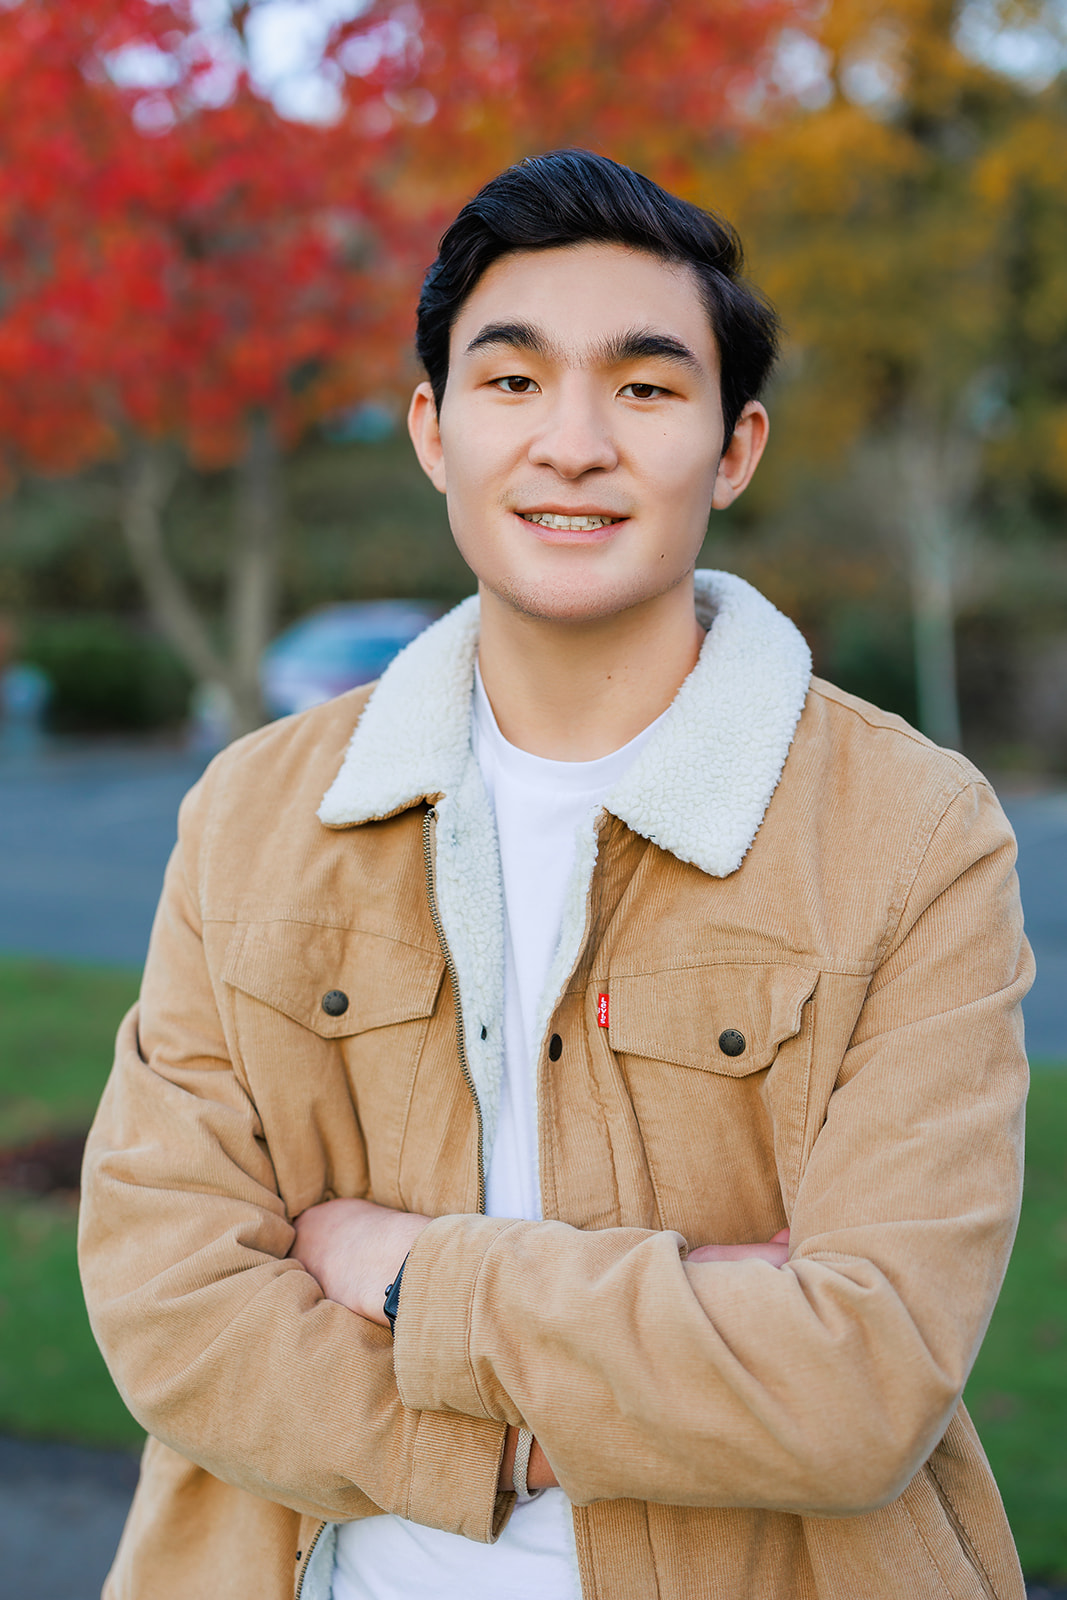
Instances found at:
x=392 y=1298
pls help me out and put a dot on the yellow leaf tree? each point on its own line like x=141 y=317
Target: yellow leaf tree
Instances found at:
x=911 y=227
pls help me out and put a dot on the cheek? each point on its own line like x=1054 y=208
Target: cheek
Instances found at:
x=460 y=489
x=472 y=526
x=473 y=458
x=682 y=476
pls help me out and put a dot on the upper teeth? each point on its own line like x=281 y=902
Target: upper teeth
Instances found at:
x=548 y=519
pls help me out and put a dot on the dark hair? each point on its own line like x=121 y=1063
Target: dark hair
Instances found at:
x=573 y=197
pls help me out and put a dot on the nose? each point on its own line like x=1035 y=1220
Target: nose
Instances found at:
x=575 y=436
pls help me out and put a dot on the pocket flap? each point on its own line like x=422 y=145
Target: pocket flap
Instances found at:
x=697 y=1016
x=293 y=966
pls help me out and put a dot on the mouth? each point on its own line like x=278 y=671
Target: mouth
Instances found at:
x=559 y=523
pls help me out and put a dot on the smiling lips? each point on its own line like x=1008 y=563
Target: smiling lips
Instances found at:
x=563 y=524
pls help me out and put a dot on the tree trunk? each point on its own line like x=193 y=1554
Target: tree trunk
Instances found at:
x=252 y=601
x=148 y=478
x=936 y=470
x=254 y=571
x=934 y=619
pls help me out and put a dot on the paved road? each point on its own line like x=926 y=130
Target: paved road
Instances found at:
x=1041 y=825
x=85 y=834
x=61 y=1514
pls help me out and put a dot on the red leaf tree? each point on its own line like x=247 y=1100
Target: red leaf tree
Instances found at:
x=183 y=277
x=179 y=277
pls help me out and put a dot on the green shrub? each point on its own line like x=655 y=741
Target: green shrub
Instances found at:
x=870 y=654
x=107 y=675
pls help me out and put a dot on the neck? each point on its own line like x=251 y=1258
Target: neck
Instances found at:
x=573 y=691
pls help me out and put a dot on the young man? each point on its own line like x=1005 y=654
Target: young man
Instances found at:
x=582 y=1158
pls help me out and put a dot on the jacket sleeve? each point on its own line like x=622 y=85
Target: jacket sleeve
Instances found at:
x=823 y=1386
x=220 y=1346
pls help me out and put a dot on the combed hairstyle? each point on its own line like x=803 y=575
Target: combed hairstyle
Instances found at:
x=571 y=197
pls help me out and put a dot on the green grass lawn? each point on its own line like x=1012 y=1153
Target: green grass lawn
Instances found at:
x=57 y=1028
x=57 y=1024
x=53 y=1382
x=1018 y=1390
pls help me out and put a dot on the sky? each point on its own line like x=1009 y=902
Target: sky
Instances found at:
x=286 y=39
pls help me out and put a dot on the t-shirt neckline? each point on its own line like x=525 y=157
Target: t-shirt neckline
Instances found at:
x=576 y=777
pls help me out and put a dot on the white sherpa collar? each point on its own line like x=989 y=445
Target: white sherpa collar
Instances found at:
x=700 y=787
x=413 y=740
x=702 y=784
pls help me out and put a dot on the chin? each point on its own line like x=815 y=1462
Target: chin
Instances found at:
x=581 y=599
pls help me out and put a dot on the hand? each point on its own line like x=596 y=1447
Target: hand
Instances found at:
x=776 y=1251
x=355 y=1249
x=539 y=1474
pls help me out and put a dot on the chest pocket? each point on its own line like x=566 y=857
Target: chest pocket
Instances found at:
x=335 y=981
x=725 y=1019
x=716 y=1061
x=330 y=1023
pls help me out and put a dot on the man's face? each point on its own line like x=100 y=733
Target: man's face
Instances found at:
x=581 y=430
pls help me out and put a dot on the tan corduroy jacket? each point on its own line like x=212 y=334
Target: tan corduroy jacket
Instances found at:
x=787 y=991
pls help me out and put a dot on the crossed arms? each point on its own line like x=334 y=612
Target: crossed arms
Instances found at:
x=354 y=1249
x=644 y=1370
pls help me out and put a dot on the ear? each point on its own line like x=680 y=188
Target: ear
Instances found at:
x=742 y=455
x=426 y=435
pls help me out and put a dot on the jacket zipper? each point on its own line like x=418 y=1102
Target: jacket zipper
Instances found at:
x=453 y=977
x=319 y=1531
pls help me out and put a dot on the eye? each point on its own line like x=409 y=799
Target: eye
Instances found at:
x=642 y=391
x=516 y=384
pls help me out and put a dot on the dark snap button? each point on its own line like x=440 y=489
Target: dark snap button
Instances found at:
x=335 y=1002
x=485 y=1031
x=555 y=1047
x=731 y=1043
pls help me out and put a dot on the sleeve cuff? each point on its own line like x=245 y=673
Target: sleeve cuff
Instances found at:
x=454 y=1469
x=432 y=1352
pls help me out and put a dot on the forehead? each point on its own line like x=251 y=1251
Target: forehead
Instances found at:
x=584 y=297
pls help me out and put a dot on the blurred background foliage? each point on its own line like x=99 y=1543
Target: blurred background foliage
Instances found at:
x=206 y=352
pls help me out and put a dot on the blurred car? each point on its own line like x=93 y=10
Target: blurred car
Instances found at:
x=336 y=648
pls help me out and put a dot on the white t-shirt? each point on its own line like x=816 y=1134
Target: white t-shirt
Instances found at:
x=540 y=808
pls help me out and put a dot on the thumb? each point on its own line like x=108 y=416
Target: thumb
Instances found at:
x=781 y=1237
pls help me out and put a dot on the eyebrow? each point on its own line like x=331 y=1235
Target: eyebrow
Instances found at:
x=637 y=344
x=517 y=335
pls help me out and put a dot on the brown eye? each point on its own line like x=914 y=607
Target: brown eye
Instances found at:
x=516 y=385
x=643 y=391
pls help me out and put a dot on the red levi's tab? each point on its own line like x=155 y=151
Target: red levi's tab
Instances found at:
x=601 y=1010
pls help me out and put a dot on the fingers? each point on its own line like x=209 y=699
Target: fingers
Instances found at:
x=776 y=1251
x=776 y=1254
